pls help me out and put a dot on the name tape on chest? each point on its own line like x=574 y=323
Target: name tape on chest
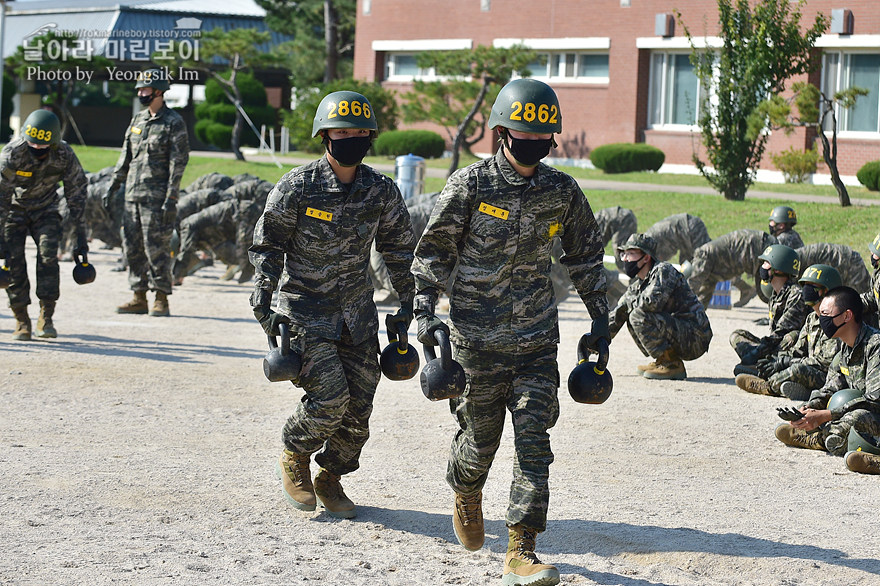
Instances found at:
x=136 y=130
x=493 y=211
x=319 y=214
x=24 y=173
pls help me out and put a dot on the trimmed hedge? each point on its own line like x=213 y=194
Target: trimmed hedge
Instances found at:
x=624 y=157
x=869 y=175
x=422 y=143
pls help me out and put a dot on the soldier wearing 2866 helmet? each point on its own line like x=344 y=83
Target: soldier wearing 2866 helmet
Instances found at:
x=30 y=168
x=154 y=155
x=314 y=240
x=782 y=220
x=497 y=219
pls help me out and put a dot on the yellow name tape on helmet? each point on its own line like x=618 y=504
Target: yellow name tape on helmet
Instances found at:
x=493 y=211
x=321 y=215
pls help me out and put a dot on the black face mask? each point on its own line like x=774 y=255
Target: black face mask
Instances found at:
x=875 y=262
x=146 y=100
x=764 y=274
x=349 y=152
x=38 y=153
x=826 y=322
x=811 y=294
x=529 y=153
x=632 y=268
x=771 y=229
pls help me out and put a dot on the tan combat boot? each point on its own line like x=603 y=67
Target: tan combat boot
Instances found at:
x=797 y=438
x=22 y=323
x=467 y=521
x=754 y=384
x=863 y=462
x=160 y=305
x=644 y=367
x=296 y=480
x=521 y=565
x=668 y=367
x=45 y=327
x=329 y=490
x=138 y=304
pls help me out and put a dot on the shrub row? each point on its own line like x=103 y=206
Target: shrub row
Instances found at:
x=625 y=157
x=423 y=143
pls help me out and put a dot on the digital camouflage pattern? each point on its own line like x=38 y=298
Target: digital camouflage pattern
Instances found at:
x=146 y=241
x=499 y=227
x=727 y=257
x=791 y=239
x=811 y=354
x=212 y=229
x=615 y=226
x=853 y=368
x=215 y=181
x=497 y=382
x=787 y=314
x=848 y=262
x=871 y=299
x=682 y=233
x=29 y=206
x=314 y=239
x=661 y=312
x=193 y=202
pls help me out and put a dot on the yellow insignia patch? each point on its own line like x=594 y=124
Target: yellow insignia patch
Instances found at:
x=321 y=215
x=135 y=130
x=844 y=371
x=24 y=173
x=554 y=229
x=493 y=211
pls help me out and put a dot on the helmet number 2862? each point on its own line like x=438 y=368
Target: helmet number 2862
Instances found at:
x=529 y=112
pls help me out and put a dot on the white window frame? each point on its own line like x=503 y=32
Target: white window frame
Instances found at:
x=830 y=87
x=663 y=94
x=392 y=48
x=556 y=78
x=563 y=46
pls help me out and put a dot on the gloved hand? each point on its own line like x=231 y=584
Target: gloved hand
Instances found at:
x=599 y=330
x=428 y=325
x=403 y=316
x=82 y=243
x=770 y=365
x=107 y=198
x=751 y=357
x=270 y=319
x=169 y=212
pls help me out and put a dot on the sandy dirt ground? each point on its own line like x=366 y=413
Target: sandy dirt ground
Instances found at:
x=141 y=450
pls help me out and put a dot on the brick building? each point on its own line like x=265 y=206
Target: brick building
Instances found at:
x=620 y=67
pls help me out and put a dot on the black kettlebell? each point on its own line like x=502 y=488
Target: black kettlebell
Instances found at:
x=399 y=360
x=441 y=378
x=4 y=276
x=281 y=363
x=590 y=382
x=83 y=272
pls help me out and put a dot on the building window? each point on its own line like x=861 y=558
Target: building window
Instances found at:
x=674 y=90
x=403 y=67
x=841 y=71
x=573 y=67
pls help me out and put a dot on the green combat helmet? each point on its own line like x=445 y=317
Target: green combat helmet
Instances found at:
x=344 y=109
x=842 y=397
x=822 y=275
x=154 y=78
x=784 y=215
x=527 y=105
x=42 y=127
x=783 y=259
x=857 y=442
x=874 y=247
x=642 y=242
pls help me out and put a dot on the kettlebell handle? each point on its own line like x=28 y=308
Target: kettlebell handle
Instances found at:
x=285 y=339
x=445 y=350
x=604 y=354
x=401 y=338
x=81 y=260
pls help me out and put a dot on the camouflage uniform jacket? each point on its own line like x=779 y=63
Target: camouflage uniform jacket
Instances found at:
x=848 y=262
x=871 y=299
x=853 y=368
x=31 y=184
x=663 y=290
x=812 y=347
x=787 y=313
x=735 y=253
x=680 y=232
x=616 y=220
x=499 y=226
x=314 y=237
x=154 y=155
x=791 y=239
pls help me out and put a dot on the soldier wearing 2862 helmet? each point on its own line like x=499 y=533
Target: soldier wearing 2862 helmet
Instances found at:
x=314 y=240
x=30 y=168
x=497 y=219
x=154 y=155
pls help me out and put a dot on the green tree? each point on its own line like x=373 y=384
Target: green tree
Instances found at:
x=322 y=49
x=222 y=56
x=462 y=103
x=761 y=48
x=814 y=110
x=215 y=117
x=6 y=107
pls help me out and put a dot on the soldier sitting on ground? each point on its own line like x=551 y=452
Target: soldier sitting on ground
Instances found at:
x=801 y=366
x=782 y=220
x=665 y=318
x=856 y=366
x=780 y=268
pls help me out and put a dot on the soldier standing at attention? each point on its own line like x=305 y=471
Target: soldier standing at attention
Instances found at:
x=497 y=218
x=782 y=220
x=154 y=154
x=314 y=240
x=665 y=318
x=30 y=168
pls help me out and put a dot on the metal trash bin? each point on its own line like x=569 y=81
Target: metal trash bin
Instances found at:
x=409 y=174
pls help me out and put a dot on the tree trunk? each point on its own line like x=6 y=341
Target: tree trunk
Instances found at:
x=331 y=41
x=235 y=141
x=460 y=131
x=829 y=153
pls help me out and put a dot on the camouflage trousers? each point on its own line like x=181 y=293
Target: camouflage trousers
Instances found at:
x=809 y=376
x=340 y=380
x=655 y=332
x=526 y=385
x=44 y=226
x=147 y=246
x=835 y=434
